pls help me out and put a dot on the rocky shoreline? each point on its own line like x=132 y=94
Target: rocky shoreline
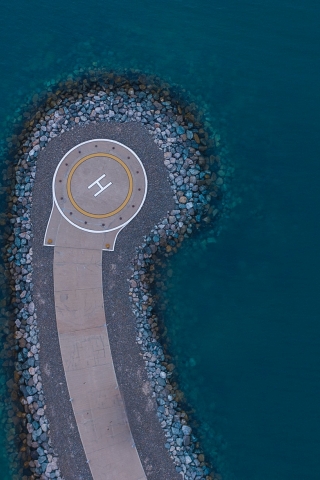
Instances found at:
x=197 y=178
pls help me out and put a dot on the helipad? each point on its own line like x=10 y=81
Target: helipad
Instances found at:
x=99 y=186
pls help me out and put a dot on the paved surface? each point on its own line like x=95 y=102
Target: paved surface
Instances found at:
x=87 y=360
x=129 y=366
x=98 y=187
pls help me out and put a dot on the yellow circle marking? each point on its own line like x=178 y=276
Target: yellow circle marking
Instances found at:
x=96 y=215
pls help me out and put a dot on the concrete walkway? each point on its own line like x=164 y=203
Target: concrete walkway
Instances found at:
x=87 y=360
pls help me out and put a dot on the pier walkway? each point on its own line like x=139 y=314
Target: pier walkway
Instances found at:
x=98 y=187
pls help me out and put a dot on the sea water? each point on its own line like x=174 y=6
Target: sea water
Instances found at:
x=243 y=315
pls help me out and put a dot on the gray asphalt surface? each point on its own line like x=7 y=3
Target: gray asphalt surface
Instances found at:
x=129 y=366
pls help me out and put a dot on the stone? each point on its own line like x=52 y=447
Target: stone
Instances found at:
x=186 y=430
x=161 y=381
x=31 y=308
x=180 y=130
x=196 y=137
x=186 y=440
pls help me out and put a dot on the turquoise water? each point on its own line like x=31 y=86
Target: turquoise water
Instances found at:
x=245 y=307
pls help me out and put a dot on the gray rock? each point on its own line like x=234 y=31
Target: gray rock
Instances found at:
x=31 y=308
x=186 y=430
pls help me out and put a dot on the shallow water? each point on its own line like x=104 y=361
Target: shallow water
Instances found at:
x=245 y=307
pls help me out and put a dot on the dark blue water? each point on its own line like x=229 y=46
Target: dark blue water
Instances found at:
x=245 y=307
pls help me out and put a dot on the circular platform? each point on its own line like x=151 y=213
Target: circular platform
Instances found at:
x=99 y=185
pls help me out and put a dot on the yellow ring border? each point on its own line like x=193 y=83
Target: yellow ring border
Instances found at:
x=103 y=215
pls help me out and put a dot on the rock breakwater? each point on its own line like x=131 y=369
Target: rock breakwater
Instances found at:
x=197 y=176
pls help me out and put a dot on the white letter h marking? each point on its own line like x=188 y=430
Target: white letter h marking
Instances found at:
x=97 y=182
